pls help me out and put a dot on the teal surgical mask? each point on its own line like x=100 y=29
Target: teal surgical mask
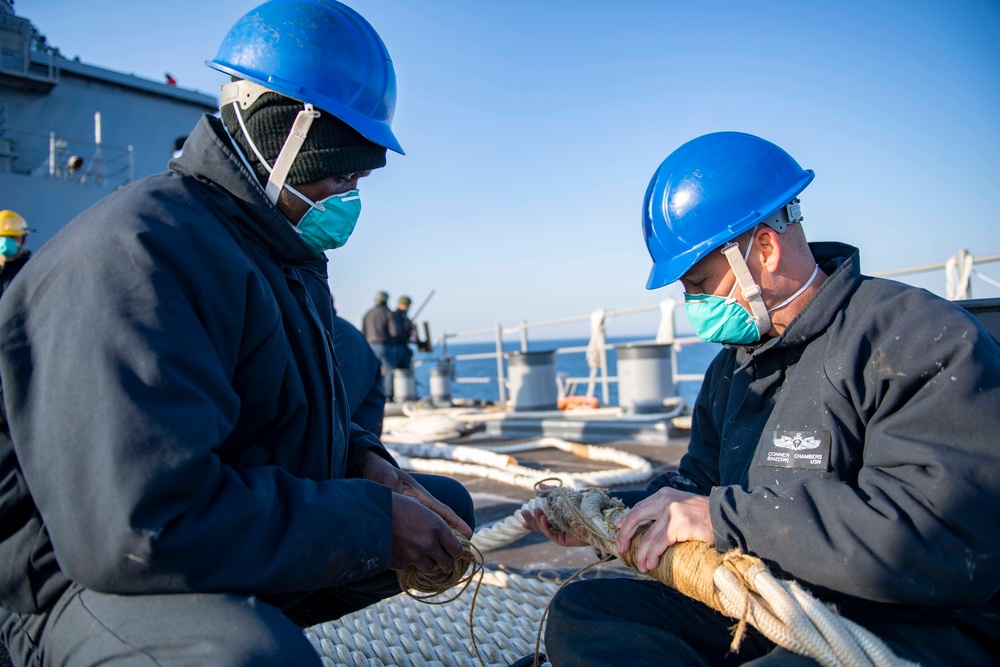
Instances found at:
x=719 y=319
x=8 y=247
x=329 y=223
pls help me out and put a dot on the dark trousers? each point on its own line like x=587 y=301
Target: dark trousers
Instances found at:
x=602 y=622
x=195 y=629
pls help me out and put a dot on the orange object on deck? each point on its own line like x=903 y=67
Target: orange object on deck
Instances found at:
x=574 y=402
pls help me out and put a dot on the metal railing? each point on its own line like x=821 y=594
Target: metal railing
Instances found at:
x=25 y=53
x=599 y=370
x=959 y=270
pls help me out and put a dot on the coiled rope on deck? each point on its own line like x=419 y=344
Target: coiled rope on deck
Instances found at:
x=495 y=463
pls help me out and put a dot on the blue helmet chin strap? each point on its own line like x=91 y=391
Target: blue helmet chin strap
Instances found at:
x=749 y=289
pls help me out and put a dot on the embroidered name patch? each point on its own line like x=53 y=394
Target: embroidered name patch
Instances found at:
x=805 y=450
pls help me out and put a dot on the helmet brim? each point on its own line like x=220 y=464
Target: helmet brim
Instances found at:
x=374 y=131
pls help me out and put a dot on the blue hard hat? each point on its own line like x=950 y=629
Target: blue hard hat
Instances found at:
x=708 y=192
x=320 y=52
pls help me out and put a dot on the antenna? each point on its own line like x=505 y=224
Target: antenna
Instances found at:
x=422 y=306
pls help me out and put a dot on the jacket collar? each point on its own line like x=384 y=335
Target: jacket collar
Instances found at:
x=209 y=156
x=842 y=265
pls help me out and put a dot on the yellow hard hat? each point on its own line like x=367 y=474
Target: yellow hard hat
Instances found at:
x=11 y=224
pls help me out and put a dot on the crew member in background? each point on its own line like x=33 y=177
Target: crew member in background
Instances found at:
x=182 y=483
x=405 y=333
x=362 y=375
x=13 y=253
x=846 y=434
x=380 y=330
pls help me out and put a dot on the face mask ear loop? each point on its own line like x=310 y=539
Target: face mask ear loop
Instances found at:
x=253 y=146
x=797 y=292
x=313 y=204
x=749 y=289
x=239 y=153
x=290 y=150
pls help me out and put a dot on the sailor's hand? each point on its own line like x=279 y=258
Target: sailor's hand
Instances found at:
x=420 y=538
x=537 y=521
x=375 y=468
x=674 y=516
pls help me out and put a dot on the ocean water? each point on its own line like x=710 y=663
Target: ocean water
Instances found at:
x=692 y=358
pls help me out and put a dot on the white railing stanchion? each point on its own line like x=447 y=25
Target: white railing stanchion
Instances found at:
x=501 y=379
x=605 y=388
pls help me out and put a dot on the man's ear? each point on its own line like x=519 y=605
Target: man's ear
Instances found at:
x=769 y=242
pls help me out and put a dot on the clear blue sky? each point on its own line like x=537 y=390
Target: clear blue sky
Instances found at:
x=532 y=129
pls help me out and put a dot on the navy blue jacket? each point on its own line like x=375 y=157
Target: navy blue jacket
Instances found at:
x=859 y=451
x=176 y=418
x=379 y=325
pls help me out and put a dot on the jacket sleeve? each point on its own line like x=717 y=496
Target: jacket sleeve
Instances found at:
x=118 y=371
x=360 y=442
x=918 y=525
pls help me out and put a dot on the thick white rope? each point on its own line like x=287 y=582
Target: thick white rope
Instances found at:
x=417 y=430
x=507 y=531
x=595 y=347
x=958 y=271
x=665 y=332
x=493 y=463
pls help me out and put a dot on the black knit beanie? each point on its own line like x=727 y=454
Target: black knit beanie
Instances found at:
x=332 y=147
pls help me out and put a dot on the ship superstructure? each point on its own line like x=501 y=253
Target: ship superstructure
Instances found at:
x=71 y=132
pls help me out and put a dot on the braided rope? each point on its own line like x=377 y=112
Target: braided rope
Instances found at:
x=507 y=531
x=494 y=463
